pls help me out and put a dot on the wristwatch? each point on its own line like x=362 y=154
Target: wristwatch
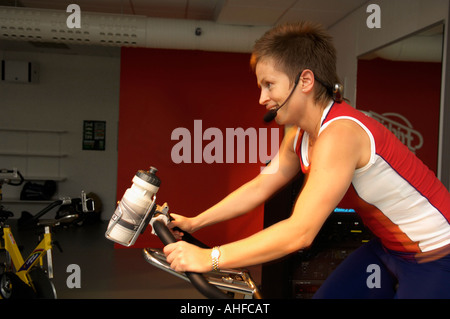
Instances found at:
x=215 y=254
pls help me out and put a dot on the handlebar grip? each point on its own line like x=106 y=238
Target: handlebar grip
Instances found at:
x=197 y=280
x=191 y=239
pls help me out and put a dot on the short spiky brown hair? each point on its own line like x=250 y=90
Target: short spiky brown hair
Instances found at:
x=295 y=47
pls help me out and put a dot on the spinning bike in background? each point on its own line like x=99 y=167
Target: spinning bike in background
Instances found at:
x=10 y=177
x=138 y=208
x=31 y=277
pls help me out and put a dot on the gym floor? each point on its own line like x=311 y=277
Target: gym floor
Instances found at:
x=106 y=273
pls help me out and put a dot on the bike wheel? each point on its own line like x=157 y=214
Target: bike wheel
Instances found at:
x=42 y=284
x=5 y=286
x=12 y=287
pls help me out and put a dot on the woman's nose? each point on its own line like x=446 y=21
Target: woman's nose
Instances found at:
x=264 y=98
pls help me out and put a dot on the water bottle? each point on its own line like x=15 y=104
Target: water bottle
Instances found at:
x=134 y=209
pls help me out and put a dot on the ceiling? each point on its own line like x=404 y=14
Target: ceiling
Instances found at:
x=237 y=12
x=425 y=46
x=257 y=13
x=222 y=12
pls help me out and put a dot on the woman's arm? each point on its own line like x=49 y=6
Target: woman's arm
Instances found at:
x=339 y=150
x=281 y=170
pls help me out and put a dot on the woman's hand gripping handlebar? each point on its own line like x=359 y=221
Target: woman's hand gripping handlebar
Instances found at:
x=159 y=225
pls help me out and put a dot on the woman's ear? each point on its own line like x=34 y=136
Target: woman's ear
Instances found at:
x=307 y=81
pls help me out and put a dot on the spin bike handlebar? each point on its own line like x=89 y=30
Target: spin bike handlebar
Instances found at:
x=197 y=280
x=14 y=175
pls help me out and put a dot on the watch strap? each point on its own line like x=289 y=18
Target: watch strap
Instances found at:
x=215 y=254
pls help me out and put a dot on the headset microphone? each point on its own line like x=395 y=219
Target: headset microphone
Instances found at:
x=336 y=92
x=272 y=113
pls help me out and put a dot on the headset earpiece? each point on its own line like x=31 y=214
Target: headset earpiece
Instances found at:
x=338 y=93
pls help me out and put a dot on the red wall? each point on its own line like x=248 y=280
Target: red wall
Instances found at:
x=409 y=88
x=162 y=90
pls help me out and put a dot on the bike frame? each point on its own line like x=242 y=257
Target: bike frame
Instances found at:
x=23 y=267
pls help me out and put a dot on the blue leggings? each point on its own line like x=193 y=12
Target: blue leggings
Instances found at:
x=372 y=272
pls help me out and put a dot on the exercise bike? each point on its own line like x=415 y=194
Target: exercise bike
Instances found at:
x=138 y=208
x=222 y=284
x=31 y=277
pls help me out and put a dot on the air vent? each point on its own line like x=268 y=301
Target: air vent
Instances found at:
x=50 y=26
x=49 y=45
x=117 y=30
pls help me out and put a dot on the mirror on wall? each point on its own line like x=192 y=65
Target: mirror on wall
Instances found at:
x=400 y=86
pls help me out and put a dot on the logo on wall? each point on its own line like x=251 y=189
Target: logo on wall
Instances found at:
x=401 y=128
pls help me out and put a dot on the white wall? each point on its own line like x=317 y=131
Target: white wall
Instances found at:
x=399 y=18
x=71 y=88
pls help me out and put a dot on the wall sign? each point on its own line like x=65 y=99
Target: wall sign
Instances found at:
x=411 y=115
x=94 y=134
